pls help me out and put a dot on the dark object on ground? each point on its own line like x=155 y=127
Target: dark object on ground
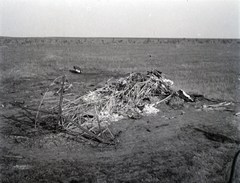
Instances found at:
x=77 y=70
x=182 y=94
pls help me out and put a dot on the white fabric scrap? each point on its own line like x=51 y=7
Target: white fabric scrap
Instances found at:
x=91 y=97
x=149 y=109
x=168 y=81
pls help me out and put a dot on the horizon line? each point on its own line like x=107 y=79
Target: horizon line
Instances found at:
x=108 y=37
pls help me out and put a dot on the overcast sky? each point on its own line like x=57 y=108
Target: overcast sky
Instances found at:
x=120 y=18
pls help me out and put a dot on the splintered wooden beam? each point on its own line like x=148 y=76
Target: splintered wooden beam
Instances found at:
x=87 y=131
x=61 y=100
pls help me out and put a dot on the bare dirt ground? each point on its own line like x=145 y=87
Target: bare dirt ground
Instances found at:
x=186 y=143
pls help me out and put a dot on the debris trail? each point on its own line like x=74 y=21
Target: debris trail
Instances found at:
x=132 y=97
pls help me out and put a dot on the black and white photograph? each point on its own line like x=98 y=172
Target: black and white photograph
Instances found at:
x=120 y=91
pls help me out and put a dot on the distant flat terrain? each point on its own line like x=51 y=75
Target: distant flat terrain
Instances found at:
x=209 y=67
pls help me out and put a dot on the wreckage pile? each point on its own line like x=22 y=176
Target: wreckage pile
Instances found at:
x=129 y=97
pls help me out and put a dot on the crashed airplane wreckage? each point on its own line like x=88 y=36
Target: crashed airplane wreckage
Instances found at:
x=129 y=97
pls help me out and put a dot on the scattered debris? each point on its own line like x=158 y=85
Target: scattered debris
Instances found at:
x=237 y=114
x=132 y=97
x=76 y=70
x=183 y=95
x=125 y=97
x=149 y=109
x=221 y=104
x=218 y=107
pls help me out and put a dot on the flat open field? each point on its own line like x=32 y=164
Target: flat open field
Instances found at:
x=185 y=144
